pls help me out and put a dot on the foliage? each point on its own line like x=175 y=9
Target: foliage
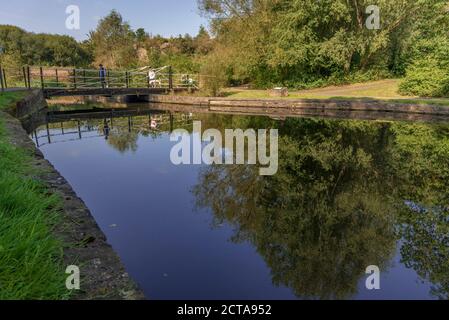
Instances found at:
x=214 y=76
x=428 y=67
x=428 y=75
x=24 y=48
x=265 y=43
x=183 y=53
x=303 y=43
x=425 y=78
x=113 y=42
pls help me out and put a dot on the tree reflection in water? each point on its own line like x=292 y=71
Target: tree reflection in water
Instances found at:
x=337 y=204
x=346 y=193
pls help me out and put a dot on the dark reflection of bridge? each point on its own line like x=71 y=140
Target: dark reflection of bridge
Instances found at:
x=80 y=124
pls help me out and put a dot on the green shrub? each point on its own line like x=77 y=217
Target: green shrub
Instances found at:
x=428 y=74
x=426 y=78
x=214 y=74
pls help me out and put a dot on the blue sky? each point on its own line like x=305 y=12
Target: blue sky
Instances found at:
x=165 y=17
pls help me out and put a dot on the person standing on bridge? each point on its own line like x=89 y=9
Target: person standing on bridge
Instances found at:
x=102 y=74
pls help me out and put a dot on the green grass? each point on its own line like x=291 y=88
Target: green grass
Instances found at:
x=30 y=255
x=8 y=98
x=386 y=90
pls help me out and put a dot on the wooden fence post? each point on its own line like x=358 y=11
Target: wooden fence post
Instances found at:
x=42 y=77
x=29 y=77
x=24 y=77
x=48 y=132
x=74 y=78
x=170 y=78
x=5 y=83
x=126 y=79
x=57 y=77
x=1 y=79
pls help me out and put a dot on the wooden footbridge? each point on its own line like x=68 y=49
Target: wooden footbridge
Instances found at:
x=55 y=81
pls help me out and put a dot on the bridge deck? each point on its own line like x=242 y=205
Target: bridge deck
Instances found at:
x=60 y=92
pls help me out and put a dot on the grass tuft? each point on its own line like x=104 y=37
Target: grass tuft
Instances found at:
x=9 y=97
x=30 y=255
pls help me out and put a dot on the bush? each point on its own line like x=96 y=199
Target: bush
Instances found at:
x=428 y=74
x=213 y=74
x=426 y=78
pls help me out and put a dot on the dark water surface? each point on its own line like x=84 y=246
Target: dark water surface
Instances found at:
x=348 y=194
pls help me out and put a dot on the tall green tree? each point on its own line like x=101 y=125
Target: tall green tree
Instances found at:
x=113 y=42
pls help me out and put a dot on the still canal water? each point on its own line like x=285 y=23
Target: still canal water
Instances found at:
x=348 y=194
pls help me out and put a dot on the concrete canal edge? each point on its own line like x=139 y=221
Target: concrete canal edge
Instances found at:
x=103 y=275
x=361 y=109
x=329 y=107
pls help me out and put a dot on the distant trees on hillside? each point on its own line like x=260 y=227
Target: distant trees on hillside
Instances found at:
x=24 y=48
x=113 y=43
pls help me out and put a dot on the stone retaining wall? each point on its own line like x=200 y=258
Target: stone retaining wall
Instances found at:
x=32 y=103
x=300 y=106
x=174 y=99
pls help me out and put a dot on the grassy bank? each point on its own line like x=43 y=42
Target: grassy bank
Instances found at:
x=30 y=255
x=10 y=97
x=382 y=90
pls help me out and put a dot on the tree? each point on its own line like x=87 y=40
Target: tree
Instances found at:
x=113 y=42
x=302 y=42
x=203 y=42
x=213 y=72
x=141 y=35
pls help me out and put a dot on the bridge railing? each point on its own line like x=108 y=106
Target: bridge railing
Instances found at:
x=72 y=78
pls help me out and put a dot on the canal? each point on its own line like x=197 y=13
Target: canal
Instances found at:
x=348 y=194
